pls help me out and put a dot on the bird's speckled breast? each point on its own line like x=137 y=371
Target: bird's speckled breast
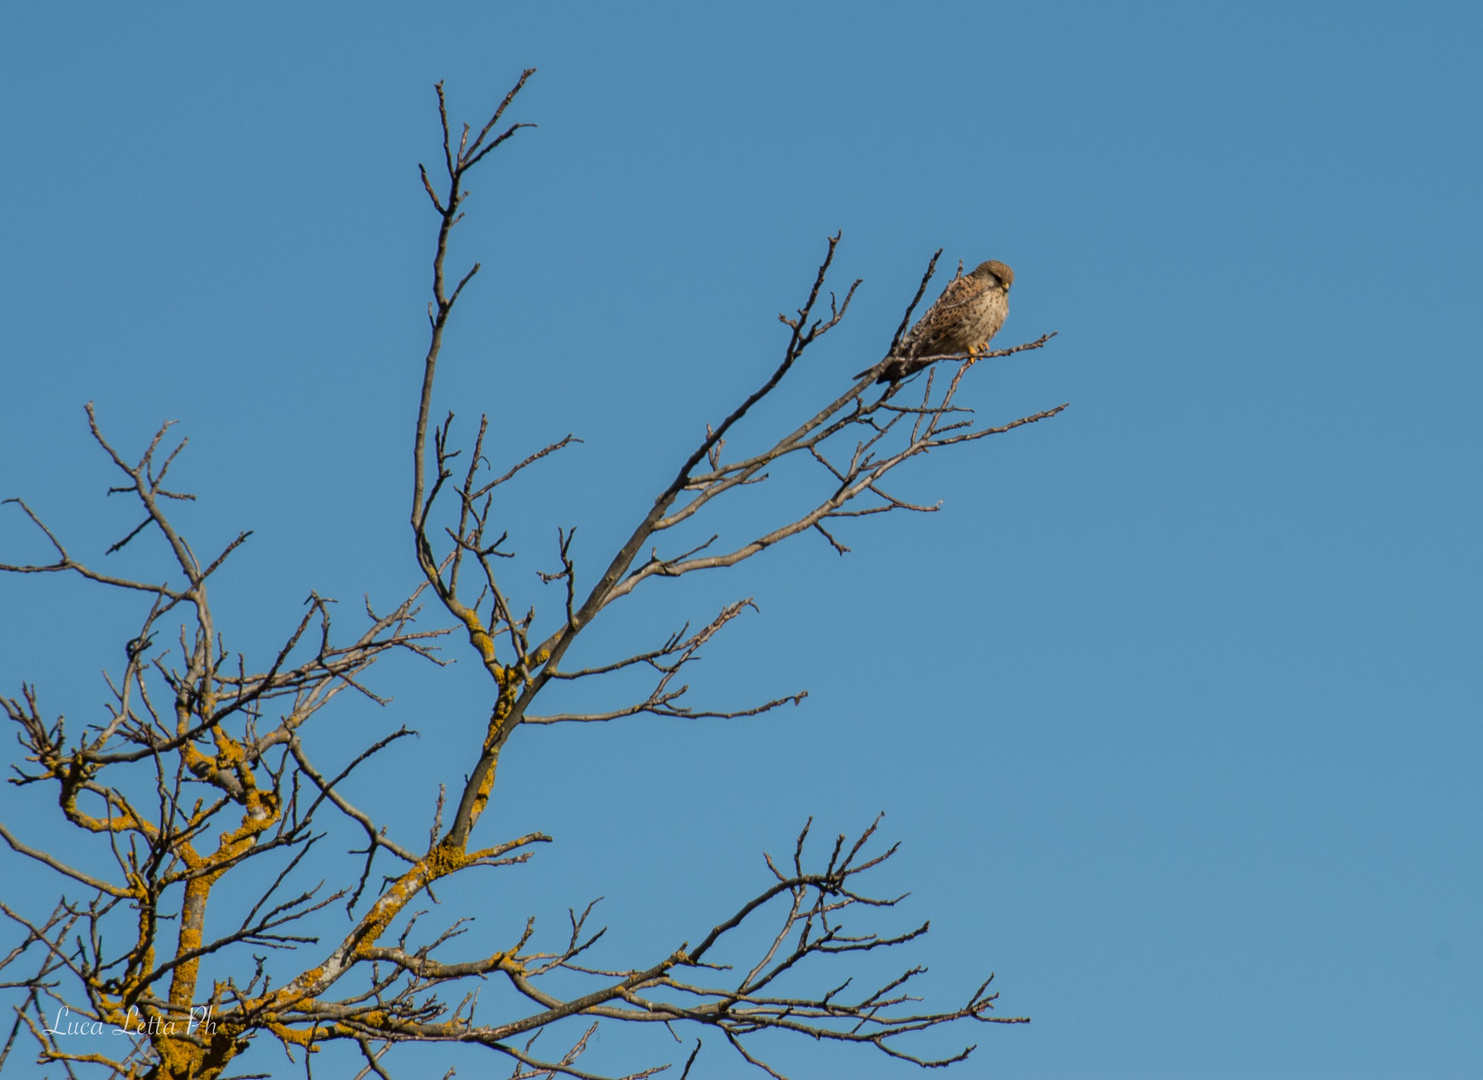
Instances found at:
x=988 y=316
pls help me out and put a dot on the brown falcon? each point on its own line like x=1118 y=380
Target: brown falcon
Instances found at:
x=969 y=312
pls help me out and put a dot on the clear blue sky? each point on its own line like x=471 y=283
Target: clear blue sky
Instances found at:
x=1175 y=705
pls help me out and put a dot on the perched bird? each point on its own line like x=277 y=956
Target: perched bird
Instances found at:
x=969 y=312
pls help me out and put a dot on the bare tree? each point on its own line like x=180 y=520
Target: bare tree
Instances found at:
x=198 y=779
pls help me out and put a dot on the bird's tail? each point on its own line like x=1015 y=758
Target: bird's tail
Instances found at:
x=895 y=369
x=889 y=373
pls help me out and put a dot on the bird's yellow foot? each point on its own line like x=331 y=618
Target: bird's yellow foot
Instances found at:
x=976 y=353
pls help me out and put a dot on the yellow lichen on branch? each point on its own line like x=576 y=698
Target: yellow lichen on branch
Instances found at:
x=442 y=860
x=260 y=812
x=479 y=638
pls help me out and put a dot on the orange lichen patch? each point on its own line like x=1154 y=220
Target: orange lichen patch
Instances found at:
x=198 y=763
x=486 y=781
x=494 y=736
x=186 y=1047
x=305 y=1037
x=149 y=925
x=503 y=706
x=260 y=813
x=229 y=752
x=182 y=1053
x=486 y=785
x=506 y=962
x=183 y=1059
x=441 y=861
x=484 y=643
x=479 y=638
x=121 y=818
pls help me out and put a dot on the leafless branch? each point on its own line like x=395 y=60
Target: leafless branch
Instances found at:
x=198 y=780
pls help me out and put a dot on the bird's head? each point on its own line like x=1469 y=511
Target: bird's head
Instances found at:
x=995 y=269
